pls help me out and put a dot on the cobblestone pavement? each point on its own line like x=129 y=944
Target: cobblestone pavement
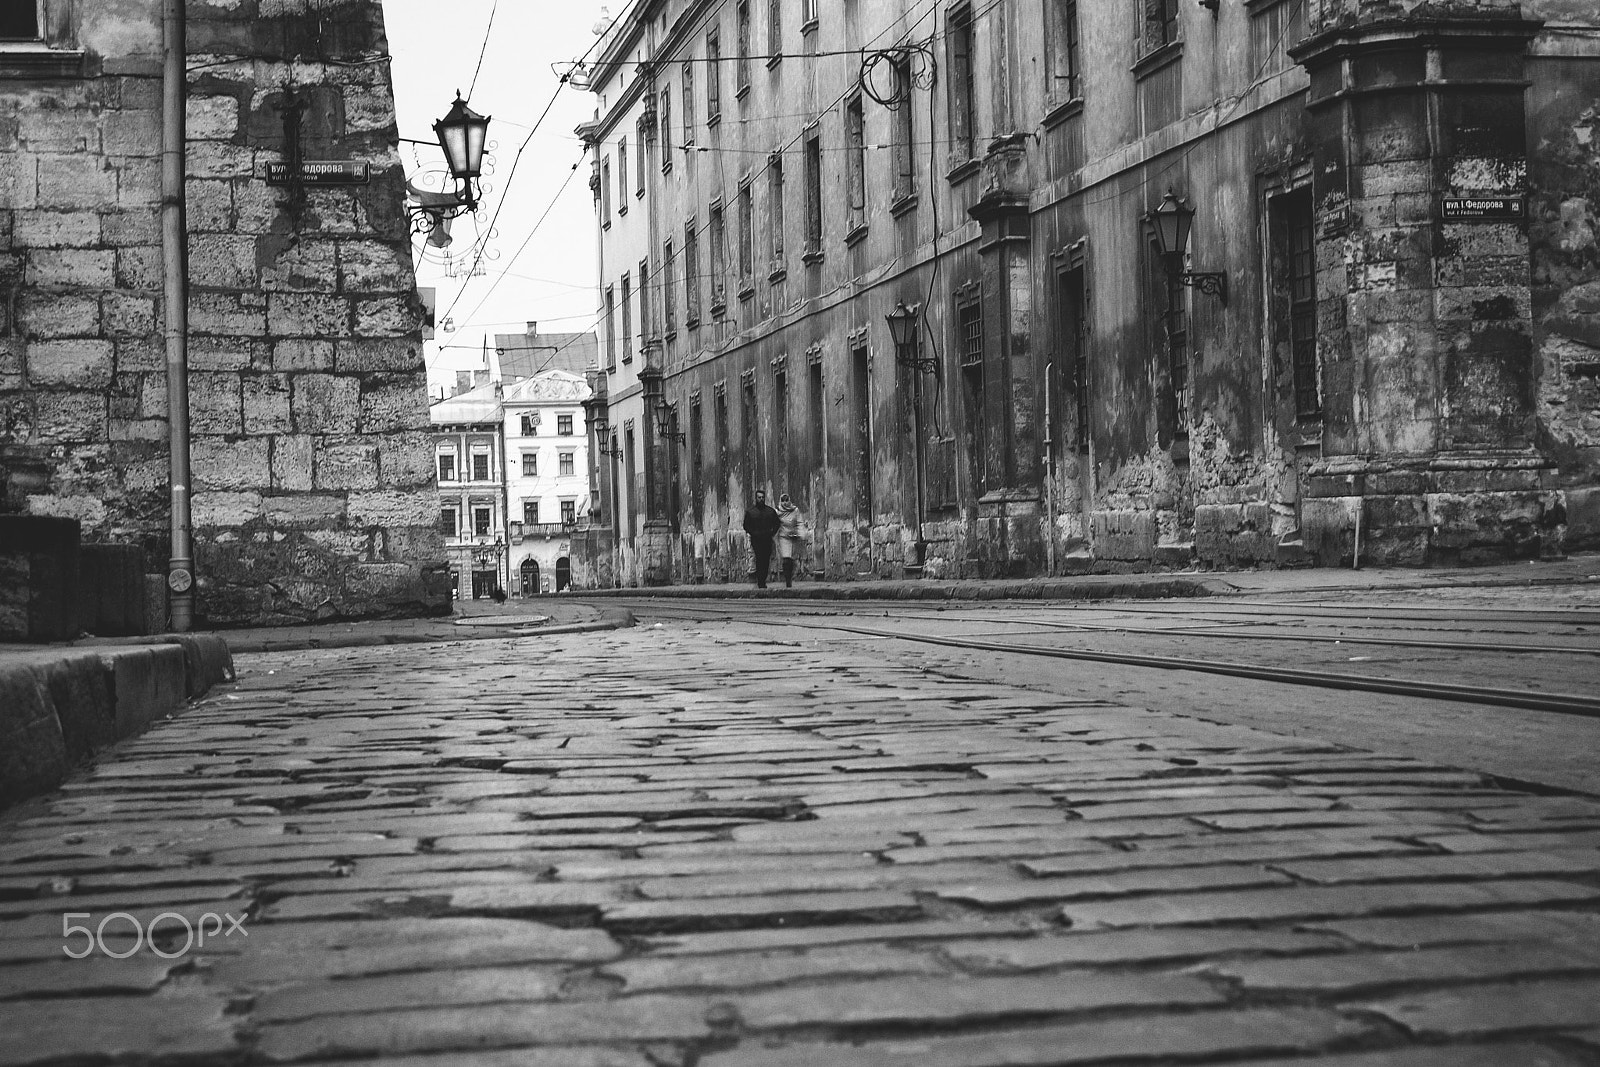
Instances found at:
x=660 y=847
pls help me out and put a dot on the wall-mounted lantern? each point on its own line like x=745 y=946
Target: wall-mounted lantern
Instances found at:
x=667 y=422
x=905 y=329
x=463 y=134
x=1173 y=221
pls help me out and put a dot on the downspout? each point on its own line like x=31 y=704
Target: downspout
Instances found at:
x=174 y=260
x=1049 y=471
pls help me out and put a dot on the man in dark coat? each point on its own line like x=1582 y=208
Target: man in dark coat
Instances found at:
x=761 y=523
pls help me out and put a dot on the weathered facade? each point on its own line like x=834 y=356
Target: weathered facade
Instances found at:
x=1381 y=342
x=312 y=479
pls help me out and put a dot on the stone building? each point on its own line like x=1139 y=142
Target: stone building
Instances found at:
x=1380 y=340
x=469 y=454
x=547 y=473
x=312 y=480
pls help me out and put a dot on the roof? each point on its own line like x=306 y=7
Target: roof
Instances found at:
x=522 y=355
x=473 y=406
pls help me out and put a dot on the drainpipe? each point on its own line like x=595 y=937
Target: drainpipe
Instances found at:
x=174 y=259
x=1049 y=471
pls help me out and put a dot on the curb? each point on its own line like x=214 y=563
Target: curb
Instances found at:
x=1149 y=589
x=610 y=620
x=59 y=706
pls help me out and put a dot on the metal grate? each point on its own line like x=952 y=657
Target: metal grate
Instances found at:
x=1303 y=308
x=970 y=321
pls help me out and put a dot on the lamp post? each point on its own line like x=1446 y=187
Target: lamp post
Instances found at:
x=462 y=135
x=667 y=422
x=905 y=331
x=1173 y=221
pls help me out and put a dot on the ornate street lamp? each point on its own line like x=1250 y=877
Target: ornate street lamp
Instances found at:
x=1173 y=221
x=463 y=134
x=905 y=330
x=667 y=422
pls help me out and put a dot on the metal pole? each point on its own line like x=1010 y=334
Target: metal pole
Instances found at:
x=174 y=257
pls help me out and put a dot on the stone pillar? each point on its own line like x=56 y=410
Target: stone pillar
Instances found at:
x=1425 y=324
x=655 y=542
x=1010 y=537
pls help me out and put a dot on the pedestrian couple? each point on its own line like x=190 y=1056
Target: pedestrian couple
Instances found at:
x=762 y=523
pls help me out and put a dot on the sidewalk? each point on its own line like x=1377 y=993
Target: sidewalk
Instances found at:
x=1574 y=570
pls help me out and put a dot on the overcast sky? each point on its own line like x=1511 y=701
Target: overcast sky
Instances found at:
x=435 y=48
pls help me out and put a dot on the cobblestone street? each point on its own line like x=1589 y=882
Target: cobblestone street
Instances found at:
x=676 y=847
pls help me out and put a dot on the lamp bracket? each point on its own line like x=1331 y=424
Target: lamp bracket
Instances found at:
x=925 y=364
x=1212 y=283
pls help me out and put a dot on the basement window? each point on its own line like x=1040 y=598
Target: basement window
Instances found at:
x=36 y=40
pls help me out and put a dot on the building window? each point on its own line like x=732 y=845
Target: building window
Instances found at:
x=903 y=146
x=605 y=192
x=774 y=30
x=449 y=522
x=1160 y=24
x=641 y=155
x=719 y=261
x=447 y=466
x=530 y=464
x=530 y=425
x=747 y=225
x=622 y=176
x=1274 y=29
x=482 y=521
x=564 y=464
x=742 y=64
x=810 y=7
x=780 y=428
x=813 y=195
x=627 y=319
x=1073 y=328
x=564 y=425
x=630 y=471
x=569 y=512
x=855 y=127
x=748 y=421
x=1061 y=55
x=480 y=466
x=611 y=330
x=530 y=513
x=775 y=212
x=963 y=110
x=688 y=103
x=713 y=78
x=969 y=323
x=1174 y=343
x=721 y=415
x=861 y=413
x=667 y=279
x=697 y=451
x=644 y=302
x=1294 y=274
x=666 y=128
x=691 y=274
x=20 y=21
x=819 y=418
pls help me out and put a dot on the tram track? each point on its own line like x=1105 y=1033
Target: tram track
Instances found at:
x=1560 y=703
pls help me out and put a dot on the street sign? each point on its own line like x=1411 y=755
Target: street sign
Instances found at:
x=320 y=172
x=1481 y=207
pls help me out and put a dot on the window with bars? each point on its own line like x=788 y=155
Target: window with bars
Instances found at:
x=719 y=260
x=819 y=416
x=775 y=211
x=969 y=327
x=903 y=145
x=780 y=428
x=813 y=158
x=1176 y=320
x=668 y=280
x=855 y=130
x=691 y=274
x=1061 y=54
x=963 y=112
x=720 y=413
x=627 y=319
x=713 y=78
x=1303 y=303
x=747 y=225
x=697 y=452
x=747 y=428
x=741 y=66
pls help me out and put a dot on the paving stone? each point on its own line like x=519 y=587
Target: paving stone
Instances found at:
x=629 y=1019
x=1379 y=821
x=1323 y=902
x=1247 y=1032
x=1417 y=930
x=1130 y=946
x=423 y=989
x=563 y=1056
x=1349 y=972
x=808 y=880
x=1222 y=850
x=38 y=1031
x=960 y=1001
x=727 y=913
x=757 y=940
x=1503 y=842
x=738 y=971
x=1416 y=868
x=702 y=864
x=1498 y=1007
x=141 y=972
x=534 y=842
x=1513 y=1054
x=995 y=894
x=1022 y=849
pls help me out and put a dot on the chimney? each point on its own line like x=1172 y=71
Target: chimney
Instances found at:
x=533 y=329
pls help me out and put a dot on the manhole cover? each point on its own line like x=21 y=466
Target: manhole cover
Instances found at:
x=503 y=620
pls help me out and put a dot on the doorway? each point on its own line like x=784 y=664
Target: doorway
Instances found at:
x=530 y=577
x=563 y=574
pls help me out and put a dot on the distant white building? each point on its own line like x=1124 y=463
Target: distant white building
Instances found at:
x=547 y=477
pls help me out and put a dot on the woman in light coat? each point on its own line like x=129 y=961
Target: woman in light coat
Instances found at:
x=790 y=539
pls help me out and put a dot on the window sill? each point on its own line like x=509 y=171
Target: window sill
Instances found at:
x=714 y=119
x=670 y=336
x=605 y=224
x=742 y=92
x=961 y=170
x=855 y=235
x=666 y=163
x=638 y=194
x=622 y=209
x=774 y=60
x=719 y=311
x=777 y=274
x=904 y=204
x=747 y=289
x=1063 y=111
x=692 y=322
x=808 y=27
x=1159 y=59
x=812 y=257
x=24 y=60
x=626 y=360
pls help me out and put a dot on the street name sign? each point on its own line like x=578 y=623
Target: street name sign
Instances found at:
x=1481 y=207
x=320 y=172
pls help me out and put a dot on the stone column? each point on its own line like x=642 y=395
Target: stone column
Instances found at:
x=1009 y=535
x=655 y=543
x=1418 y=134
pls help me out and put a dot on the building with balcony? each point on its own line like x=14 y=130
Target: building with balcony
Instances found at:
x=1237 y=283
x=547 y=477
x=468 y=436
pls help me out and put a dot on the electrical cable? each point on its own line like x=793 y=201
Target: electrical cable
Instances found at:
x=486 y=32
